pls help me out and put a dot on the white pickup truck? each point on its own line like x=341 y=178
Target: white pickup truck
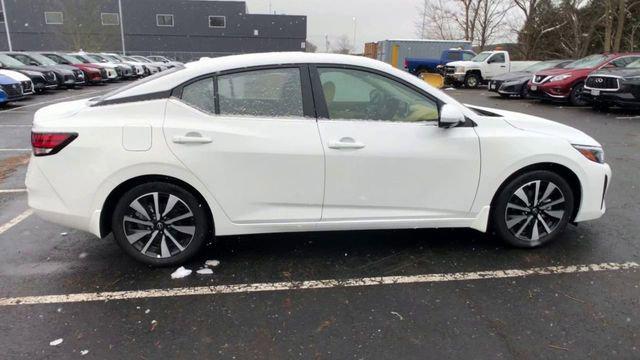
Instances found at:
x=482 y=68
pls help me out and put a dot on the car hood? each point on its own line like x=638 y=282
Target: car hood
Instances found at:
x=466 y=64
x=6 y=80
x=516 y=75
x=572 y=72
x=58 y=68
x=625 y=73
x=543 y=126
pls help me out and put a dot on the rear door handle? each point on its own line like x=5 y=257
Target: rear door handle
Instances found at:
x=345 y=143
x=191 y=138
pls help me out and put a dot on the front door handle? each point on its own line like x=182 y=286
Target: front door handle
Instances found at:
x=192 y=138
x=345 y=143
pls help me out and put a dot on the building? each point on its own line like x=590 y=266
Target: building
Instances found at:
x=180 y=29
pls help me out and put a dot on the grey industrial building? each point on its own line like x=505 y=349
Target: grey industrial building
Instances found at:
x=180 y=29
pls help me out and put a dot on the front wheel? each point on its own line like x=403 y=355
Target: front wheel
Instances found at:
x=576 y=98
x=160 y=224
x=472 y=81
x=533 y=209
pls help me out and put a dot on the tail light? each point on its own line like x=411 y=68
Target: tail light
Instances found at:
x=50 y=143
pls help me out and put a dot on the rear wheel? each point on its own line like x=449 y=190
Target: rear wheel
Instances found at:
x=576 y=97
x=160 y=224
x=533 y=209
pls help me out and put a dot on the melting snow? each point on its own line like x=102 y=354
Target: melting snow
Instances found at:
x=180 y=273
x=205 y=271
x=84 y=352
x=56 y=342
x=211 y=263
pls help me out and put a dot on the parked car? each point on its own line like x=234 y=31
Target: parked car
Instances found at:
x=614 y=87
x=515 y=82
x=24 y=80
x=418 y=66
x=110 y=69
x=12 y=89
x=93 y=74
x=138 y=68
x=243 y=144
x=42 y=79
x=68 y=77
x=567 y=84
x=149 y=68
x=481 y=69
x=161 y=59
x=161 y=66
x=124 y=71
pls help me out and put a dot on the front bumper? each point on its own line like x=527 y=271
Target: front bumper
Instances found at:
x=619 y=98
x=549 y=91
x=594 y=190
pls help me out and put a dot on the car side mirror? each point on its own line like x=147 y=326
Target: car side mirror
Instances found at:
x=450 y=116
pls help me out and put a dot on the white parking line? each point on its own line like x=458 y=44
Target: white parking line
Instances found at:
x=15 y=221
x=313 y=284
x=12 y=191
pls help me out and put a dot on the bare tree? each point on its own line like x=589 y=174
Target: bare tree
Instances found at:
x=490 y=20
x=435 y=21
x=343 y=46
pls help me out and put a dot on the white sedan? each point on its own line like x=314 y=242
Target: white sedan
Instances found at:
x=288 y=142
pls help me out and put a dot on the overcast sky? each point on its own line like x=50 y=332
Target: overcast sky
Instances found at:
x=376 y=19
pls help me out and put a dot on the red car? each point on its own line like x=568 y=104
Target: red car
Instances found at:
x=566 y=84
x=94 y=74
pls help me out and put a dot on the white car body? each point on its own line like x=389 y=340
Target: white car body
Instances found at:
x=137 y=66
x=19 y=77
x=488 y=69
x=160 y=65
x=262 y=175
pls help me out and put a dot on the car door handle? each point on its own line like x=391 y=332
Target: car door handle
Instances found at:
x=191 y=138
x=345 y=143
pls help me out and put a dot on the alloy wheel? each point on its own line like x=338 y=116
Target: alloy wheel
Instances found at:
x=159 y=225
x=535 y=210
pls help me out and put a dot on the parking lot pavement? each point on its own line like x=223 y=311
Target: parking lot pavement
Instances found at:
x=383 y=294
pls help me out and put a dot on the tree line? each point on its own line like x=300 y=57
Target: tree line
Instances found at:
x=542 y=29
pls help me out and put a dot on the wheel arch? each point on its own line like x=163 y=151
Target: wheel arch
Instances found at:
x=572 y=179
x=112 y=199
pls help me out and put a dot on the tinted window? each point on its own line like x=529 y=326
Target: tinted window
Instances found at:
x=269 y=93
x=361 y=95
x=497 y=58
x=453 y=56
x=217 y=21
x=200 y=95
x=164 y=20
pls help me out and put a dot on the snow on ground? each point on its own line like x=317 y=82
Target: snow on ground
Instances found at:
x=181 y=273
x=205 y=271
x=56 y=342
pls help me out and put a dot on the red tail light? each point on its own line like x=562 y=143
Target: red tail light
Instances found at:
x=50 y=143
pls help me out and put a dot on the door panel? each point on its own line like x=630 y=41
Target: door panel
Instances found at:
x=402 y=170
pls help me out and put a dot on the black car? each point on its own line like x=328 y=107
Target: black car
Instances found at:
x=42 y=79
x=614 y=87
x=515 y=83
x=67 y=76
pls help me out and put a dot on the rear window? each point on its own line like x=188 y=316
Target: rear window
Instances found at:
x=137 y=83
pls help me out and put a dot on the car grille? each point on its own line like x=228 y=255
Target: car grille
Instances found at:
x=50 y=76
x=69 y=78
x=103 y=73
x=450 y=69
x=495 y=85
x=537 y=79
x=79 y=75
x=27 y=87
x=13 y=90
x=602 y=82
x=119 y=71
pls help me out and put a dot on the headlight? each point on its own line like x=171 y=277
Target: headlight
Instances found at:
x=593 y=153
x=560 y=77
x=460 y=69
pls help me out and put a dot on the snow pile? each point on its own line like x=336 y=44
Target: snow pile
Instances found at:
x=84 y=352
x=56 y=342
x=211 y=263
x=181 y=273
x=206 y=271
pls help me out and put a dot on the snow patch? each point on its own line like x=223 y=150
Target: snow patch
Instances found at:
x=206 y=271
x=211 y=263
x=56 y=342
x=181 y=273
x=84 y=352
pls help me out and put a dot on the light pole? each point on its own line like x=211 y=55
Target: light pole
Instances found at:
x=6 y=26
x=355 y=26
x=124 y=51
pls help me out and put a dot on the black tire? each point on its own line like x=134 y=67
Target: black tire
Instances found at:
x=154 y=251
x=524 y=92
x=472 y=81
x=514 y=221
x=576 y=98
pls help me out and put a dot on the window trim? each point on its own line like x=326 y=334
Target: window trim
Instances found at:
x=102 y=14
x=173 y=22
x=321 y=103
x=3 y=19
x=308 y=108
x=224 y=17
x=46 y=21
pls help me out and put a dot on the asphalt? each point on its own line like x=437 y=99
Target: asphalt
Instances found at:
x=556 y=316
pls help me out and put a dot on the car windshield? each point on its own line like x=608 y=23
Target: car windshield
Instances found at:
x=70 y=59
x=96 y=58
x=142 y=59
x=112 y=58
x=481 y=57
x=634 y=65
x=542 y=65
x=9 y=61
x=588 y=62
x=43 y=59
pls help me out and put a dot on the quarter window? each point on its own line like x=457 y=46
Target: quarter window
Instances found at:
x=217 y=21
x=164 y=19
x=110 y=19
x=53 y=18
x=200 y=95
x=361 y=95
x=266 y=93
